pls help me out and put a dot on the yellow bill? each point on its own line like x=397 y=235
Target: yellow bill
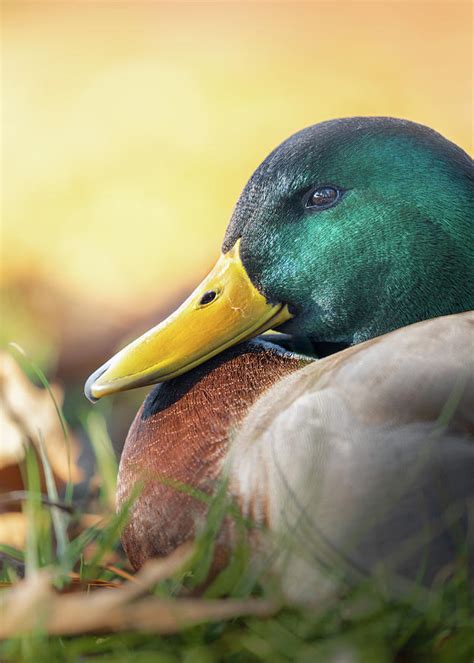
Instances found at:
x=225 y=309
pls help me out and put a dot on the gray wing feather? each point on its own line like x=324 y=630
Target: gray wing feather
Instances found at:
x=363 y=463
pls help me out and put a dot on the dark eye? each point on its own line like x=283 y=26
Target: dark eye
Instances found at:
x=322 y=197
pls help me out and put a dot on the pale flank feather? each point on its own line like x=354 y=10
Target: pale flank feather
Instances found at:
x=363 y=462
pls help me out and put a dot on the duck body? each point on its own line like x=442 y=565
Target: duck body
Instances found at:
x=354 y=239
x=349 y=461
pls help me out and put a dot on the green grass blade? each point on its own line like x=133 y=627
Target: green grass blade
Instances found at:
x=58 y=516
x=107 y=465
x=32 y=509
x=10 y=551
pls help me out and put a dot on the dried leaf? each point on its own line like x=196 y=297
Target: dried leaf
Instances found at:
x=13 y=529
x=118 y=609
x=26 y=410
x=148 y=614
x=23 y=603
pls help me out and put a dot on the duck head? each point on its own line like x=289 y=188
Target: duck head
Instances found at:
x=349 y=229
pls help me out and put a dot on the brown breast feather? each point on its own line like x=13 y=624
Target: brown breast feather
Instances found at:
x=180 y=436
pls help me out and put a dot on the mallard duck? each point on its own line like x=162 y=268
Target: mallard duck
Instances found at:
x=354 y=240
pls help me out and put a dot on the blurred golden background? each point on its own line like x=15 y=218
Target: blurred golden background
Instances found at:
x=129 y=129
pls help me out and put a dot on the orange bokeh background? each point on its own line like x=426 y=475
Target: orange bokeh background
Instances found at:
x=129 y=129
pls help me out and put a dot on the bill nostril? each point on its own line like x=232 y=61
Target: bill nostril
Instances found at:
x=207 y=297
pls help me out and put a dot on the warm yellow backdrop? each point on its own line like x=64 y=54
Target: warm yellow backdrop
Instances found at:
x=130 y=128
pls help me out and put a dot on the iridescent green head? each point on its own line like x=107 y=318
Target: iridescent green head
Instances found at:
x=349 y=229
x=361 y=225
